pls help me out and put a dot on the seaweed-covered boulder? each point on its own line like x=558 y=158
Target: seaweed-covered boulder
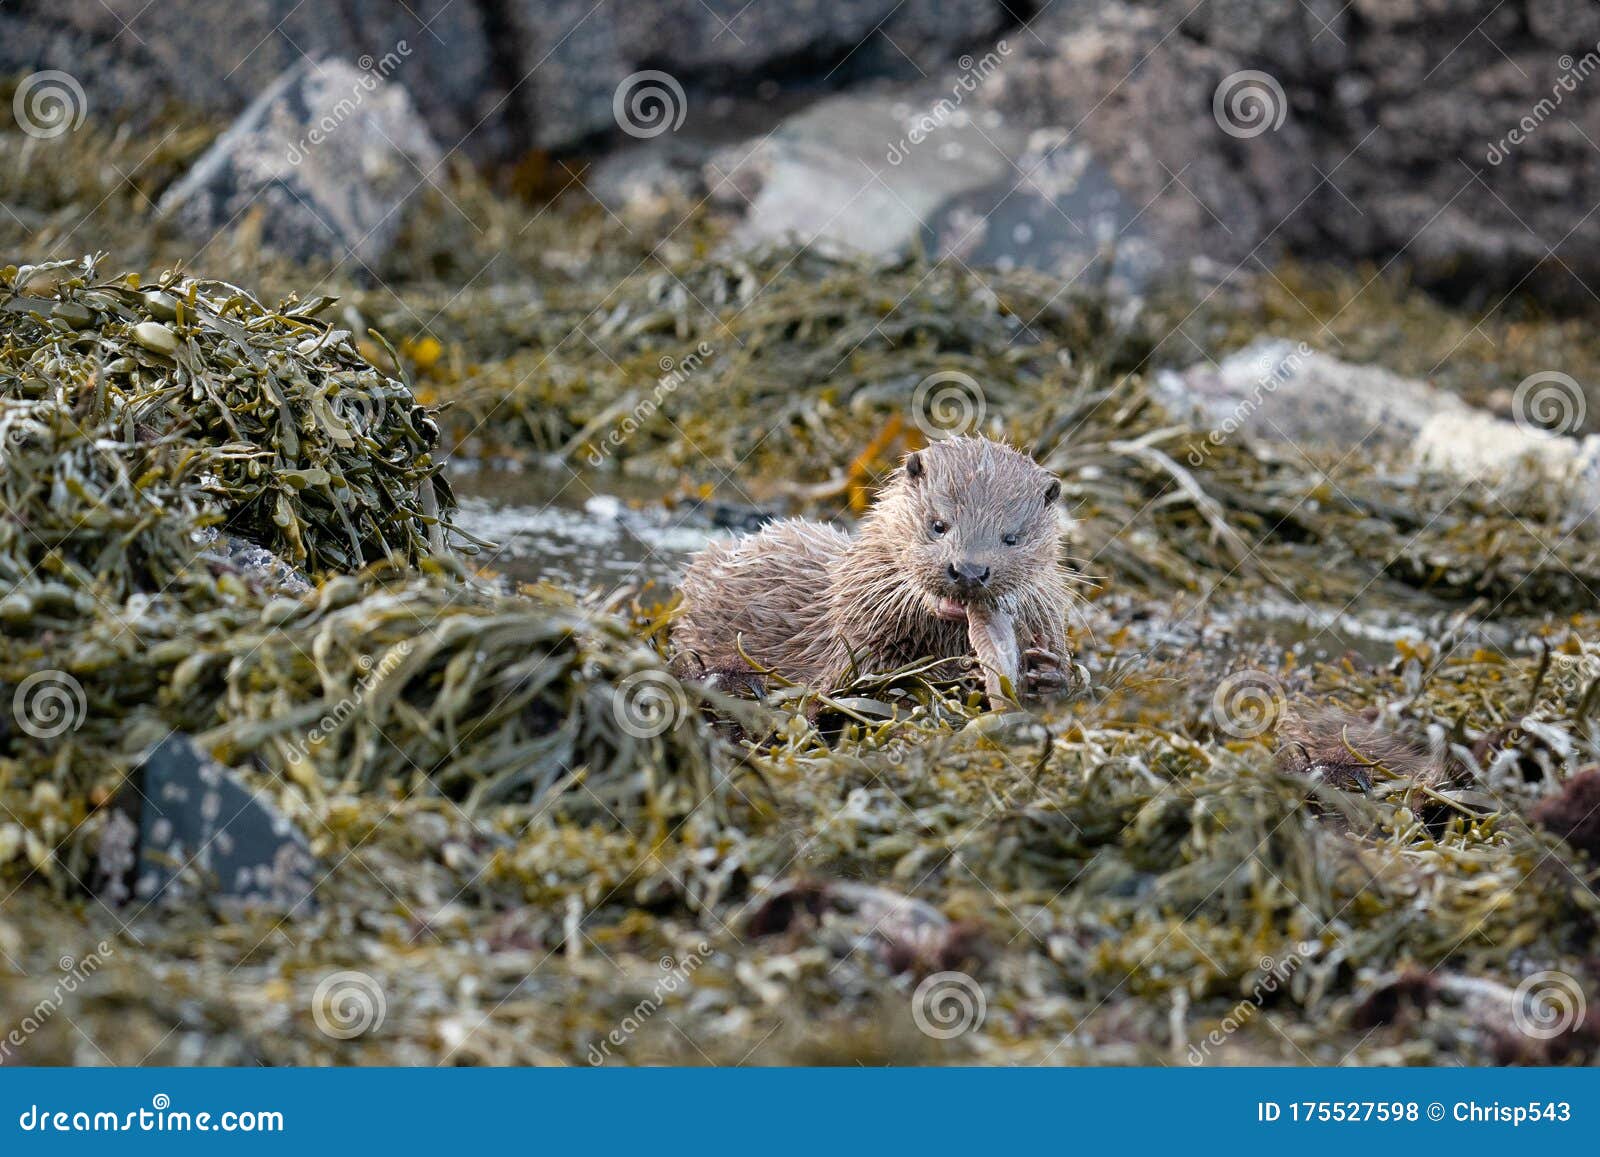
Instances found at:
x=135 y=419
x=326 y=160
x=494 y=700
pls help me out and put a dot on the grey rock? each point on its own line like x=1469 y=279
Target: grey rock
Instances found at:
x=327 y=159
x=1279 y=392
x=1409 y=127
x=256 y=564
x=927 y=167
x=1138 y=99
x=184 y=826
x=1056 y=209
x=584 y=52
x=138 y=60
x=845 y=177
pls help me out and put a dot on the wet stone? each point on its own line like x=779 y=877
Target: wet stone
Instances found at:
x=184 y=826
x=328 y=159
x=256 y=563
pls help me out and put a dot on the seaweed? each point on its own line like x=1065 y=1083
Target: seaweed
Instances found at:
x=540 y=846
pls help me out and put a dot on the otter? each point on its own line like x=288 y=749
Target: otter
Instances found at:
x=960 y=554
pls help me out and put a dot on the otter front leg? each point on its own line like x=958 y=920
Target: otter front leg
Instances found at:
x=993 y=634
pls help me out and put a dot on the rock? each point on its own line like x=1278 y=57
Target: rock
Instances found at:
x=1574 y=813
x=847 y=917
x=833 y=177
x=492 y=78
x=1281 y=391
x=739 y=516
x=1544 y=1020
x=183 y=825
x=1056 y=209
x=1278 y=391
x=710 y=47
x=1380 y=129
x=926 y=167
x=256 y=564
x=327 y=159
x=215 y=58
x=1136 y=103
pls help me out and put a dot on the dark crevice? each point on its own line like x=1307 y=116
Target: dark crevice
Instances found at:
x=806 y=75
x=511 y=45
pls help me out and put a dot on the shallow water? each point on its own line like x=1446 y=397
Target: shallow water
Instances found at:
x=577 y=530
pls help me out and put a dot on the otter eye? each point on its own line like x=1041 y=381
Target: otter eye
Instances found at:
x=938 y=526
x=1010 y=540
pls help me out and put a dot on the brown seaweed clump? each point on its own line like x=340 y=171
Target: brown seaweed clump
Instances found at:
x=134 y=415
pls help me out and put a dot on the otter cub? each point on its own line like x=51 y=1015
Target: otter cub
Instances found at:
x=961 y=553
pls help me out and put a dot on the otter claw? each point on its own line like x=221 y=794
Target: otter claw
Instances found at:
x=1043 y=672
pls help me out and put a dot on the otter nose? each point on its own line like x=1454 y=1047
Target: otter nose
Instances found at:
x=969 y=575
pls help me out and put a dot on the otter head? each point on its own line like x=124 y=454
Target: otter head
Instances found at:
x=974 y=521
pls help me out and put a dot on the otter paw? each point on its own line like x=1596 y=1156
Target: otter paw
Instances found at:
x=730 y=679
x=1044 y=674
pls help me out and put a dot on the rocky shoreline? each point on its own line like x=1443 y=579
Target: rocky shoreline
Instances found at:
x=477 y=807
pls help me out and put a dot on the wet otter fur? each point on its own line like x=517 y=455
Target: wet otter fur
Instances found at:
x=1342 y=748
x=965 y=525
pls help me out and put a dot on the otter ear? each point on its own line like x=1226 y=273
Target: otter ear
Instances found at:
x=914 y=467
x=1052 y=491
